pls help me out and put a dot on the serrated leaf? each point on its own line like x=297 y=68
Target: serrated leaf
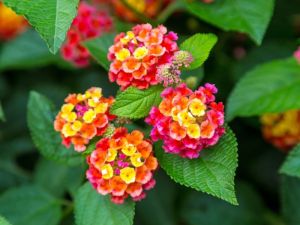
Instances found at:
x=2 y=116
x=291 y=165
x=199 y=45
x=269 y=88
x=213 y=172
x=251 y=17
x=26 y=51
x=29 y=205
x=92 y=208
x=134 y=103
x=51 y=19
x=98 y=48
x=40 y=118
x=290 y=197
x=3 y=221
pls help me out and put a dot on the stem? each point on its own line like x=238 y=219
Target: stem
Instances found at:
x=170 y=9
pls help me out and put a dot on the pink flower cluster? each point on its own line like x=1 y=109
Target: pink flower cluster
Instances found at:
x=89 y=23
x=187 y=121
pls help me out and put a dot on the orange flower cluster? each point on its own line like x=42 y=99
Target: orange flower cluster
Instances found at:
x=282 y=129
x=122 y=166
x=82 y=117
x=11 y=24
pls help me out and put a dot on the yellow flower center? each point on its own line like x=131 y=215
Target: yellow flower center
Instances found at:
x=111 y=155
x=185 y=118
x=128 y=174
x=67 y=130
x=107 y=171
x=193 y=131
x=140 y=52
x=197 y=107
x=89 y=116
x=123 y=54
x=137 y=160
x=129 y=149
x=76 y=126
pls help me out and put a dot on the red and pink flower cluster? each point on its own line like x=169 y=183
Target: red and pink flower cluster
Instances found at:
x=90 y=22
x=122 y=165
x=187 y=121
x=136 y=55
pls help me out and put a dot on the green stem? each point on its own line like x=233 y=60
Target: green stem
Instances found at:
x=169 y=10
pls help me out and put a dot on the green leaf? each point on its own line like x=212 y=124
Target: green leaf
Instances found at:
x=26 y=51
x=2 y=116
x=40 y=118
x=290 y=197
x=98 y=48
x=251 y=17
x=51 y=19
x=92 y=208
x=269 y=88
x=30 y=205
x=199 y=45
x=213 y=172
x=3 y=221
x=291 y=165
x=200 y=209
x=134 y=103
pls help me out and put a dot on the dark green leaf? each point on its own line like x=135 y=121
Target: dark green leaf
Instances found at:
x=40 y=118
x=213 y=172
x=134 y=103
x=269 y=88
x=92 y=208
x=2 y=116
x=291 y=166
x=199 y=45
x=29 y=205
x=51 y=19
x=98 y=48
x=251 y=17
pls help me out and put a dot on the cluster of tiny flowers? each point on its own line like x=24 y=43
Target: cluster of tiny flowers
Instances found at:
x=90 y=22
x=297 y=54
x=122 y=165
x=136 y=55
x=11 y=24
x=82 y=117
x=187 y=121
x=169 y=73
x=282 y=129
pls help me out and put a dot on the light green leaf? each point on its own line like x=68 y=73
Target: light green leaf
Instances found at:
x=40 y=118
x=199 y=45
x=3 y=221
x=213 y=172
x=291 y=165
x=98 y=48
x=269 y=88
x=29 y=205
x=134 y=103
x=26 y=51
x=251 y=17
x=92 y=208
x=2 y=116
x=51 y=19
x=290 y=198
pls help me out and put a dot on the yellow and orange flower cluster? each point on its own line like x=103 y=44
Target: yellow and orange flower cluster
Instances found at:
x=11 y=24
x=282 y=129
x=122 y=165
x=82 y=117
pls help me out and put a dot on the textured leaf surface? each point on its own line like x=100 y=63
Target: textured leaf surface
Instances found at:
x=291 y=166
x=40 y=117
x=251 y=17
x=290 y=196
x=213 y=172
x=270 y=87
x=51 y=18
x=3 y=221
x=98 y=48
x=91 y=208
x=29 y=205
x=26 y=51
x=199 y=45
x=134 y=103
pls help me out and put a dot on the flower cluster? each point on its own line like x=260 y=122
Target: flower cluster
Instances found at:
x=297 y=54
x=136 y=55
x=187 y=121
x=282 y=129
x=11 y=24
x=82 y=117
x=90 y=22
x=122 y=165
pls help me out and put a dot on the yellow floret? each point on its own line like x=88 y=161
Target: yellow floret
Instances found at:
x=193 y=131
x=129 y=150
x=89 y=116
x=197 y=107
x=76 y=126
x=185 y=118
x=137 y=160
x=67 y=130
x=140 y=52
x=69 y=116
x=128 y=174
x=123 y=54
x=81 y=97
x=101 y=108
x=66 y=108
x=107 y=171
x=111 y=155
